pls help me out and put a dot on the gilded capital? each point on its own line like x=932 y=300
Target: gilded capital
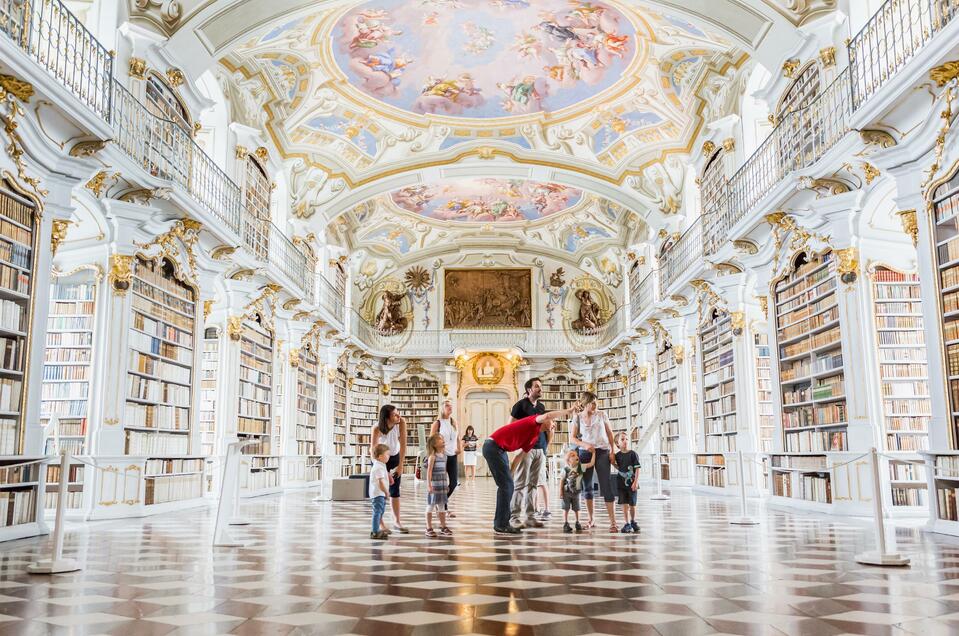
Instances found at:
x=58 y=234
x=848 y=264
x=137 y=68
x=790 y=67
x=828 y=56
x=234 y=327
x=708 y=148
x=175 y=77
x=910 y=224
x=121 y=273
x=737 y=320
x=294 y=358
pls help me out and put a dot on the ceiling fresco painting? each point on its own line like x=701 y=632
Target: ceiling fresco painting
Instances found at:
x=482 y=59
x=486 y=200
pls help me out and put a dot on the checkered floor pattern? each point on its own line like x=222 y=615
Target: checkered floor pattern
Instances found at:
x=311 y=569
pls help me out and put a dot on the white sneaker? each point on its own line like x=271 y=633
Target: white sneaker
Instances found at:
x=516 y=523
x=400 y=529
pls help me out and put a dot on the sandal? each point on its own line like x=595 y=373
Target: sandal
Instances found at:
x=613 y=529
x=430 y=533
x=446 y=532
x=449 y=513
x=589 y=524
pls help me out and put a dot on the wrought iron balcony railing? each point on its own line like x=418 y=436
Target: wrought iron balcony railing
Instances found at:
x=284 y=255
x=330 y=300
x=530 y=341
x=687 y=250
x=891 y=37
x=49 y=33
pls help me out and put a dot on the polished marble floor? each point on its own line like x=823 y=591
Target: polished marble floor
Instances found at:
x=311 y=569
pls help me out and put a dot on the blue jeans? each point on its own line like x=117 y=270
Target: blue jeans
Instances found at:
x=498 y=463
x=379 y=507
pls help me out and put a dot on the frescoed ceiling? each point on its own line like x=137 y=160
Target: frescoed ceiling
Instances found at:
x=495 y=115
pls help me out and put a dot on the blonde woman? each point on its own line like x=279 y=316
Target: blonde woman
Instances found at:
x=445 y=426
x=590 y=433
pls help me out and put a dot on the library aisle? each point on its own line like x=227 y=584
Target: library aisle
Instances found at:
x=310 y=569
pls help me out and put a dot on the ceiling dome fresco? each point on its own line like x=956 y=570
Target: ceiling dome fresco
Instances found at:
x=486 y=200
x=483 y=58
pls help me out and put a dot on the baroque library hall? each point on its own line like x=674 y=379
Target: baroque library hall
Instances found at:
x=325 y=318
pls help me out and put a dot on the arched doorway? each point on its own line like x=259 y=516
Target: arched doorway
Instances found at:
x=485 y=411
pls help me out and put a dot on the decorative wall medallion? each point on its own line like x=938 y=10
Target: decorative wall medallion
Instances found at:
x=848 y=264
x=708 y=148
x=121 y=273
x=137 y=68
x=790 y=67
x=488 y=368
x=175 y=77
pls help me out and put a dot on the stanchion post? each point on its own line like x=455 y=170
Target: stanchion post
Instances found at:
x=658 y=467
x=229 y=502
x=56 y=564
x=880 y=556
x=744 y=519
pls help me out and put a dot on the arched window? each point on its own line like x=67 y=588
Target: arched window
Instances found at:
x=257 y=196
x=165 y=104
x=804 y=89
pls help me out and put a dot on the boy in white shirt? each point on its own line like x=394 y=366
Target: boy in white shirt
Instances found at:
x=379 y=490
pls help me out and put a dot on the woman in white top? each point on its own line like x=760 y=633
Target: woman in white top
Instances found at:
x=391 y=430
x=590 y=432
x=445 y=426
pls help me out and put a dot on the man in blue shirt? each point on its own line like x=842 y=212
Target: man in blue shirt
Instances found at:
x=526 y=467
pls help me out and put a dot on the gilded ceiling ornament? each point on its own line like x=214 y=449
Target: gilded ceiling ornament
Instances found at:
x=262 y=153
x=630 y=256
x=242 y=274
x=87 y=148
x=828 y=56
x=143 y=196
x=175 y=77
x=17 y=87
x=679 y=299
x=15 y=149
x=672 y=313
x=876 y=137
x=642 y=332
x=291 y=304
x=824 y=187
x=302 y=315
x=234 y=327
x=662 y=233
x=222 y=252
x=729 y=144
x=98 y=183
x=121 y=273
x=58 y=234
x=486 y=153
x=137 y=68
x=945 y=73
x=910 y=224
x=848 y=264
x=745 y=246
x=294 y=357
x=870 y=171
x=241 y=152
x=790 y=67
x=708 y=148
x=417 y=278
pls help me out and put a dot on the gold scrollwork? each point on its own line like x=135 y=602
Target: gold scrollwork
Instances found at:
x=848 y=264
x=137 y=68
x=121 y=273
x=737 y=320
x=17 y=87
x=910 y=224
x=185 y=233
x=708 y=148
x=234 y=327
x=58 y=234
x=679 y=354
x=294 y=358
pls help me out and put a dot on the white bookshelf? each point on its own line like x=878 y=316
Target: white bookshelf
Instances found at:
x=307 y=377
x=162 y=330
x=711 y=470
x=904 y=383
x=19 y=488
x=363 y=415
x=611 y=391
x=667 y=381
x=719 y=390
x=418 y=399
x=68 y=357
x=766 y=424
x=560 y=390
x=208 y=390
x=810 y=357
x=635 y=406
x=75 y=496
x=802 y=477
x=255 y=408
x=339 y=419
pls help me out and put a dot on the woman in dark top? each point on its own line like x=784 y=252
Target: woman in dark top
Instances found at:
x=469 y=453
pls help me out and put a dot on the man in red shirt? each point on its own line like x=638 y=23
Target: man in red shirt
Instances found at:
x=522 y=435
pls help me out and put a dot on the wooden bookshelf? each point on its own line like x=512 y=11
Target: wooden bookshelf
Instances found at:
x=17 y=265
x=719 y=385
x=363 y=415
x=162 y=333
x=668 y=406
x=810 y=357
x=19 y=494
x=418 y=400
x=635 y=405
x=67 y=362
x=255 y=406
x=560 y=390
x=904 y=382
x=611 y=392
x=307 y=415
